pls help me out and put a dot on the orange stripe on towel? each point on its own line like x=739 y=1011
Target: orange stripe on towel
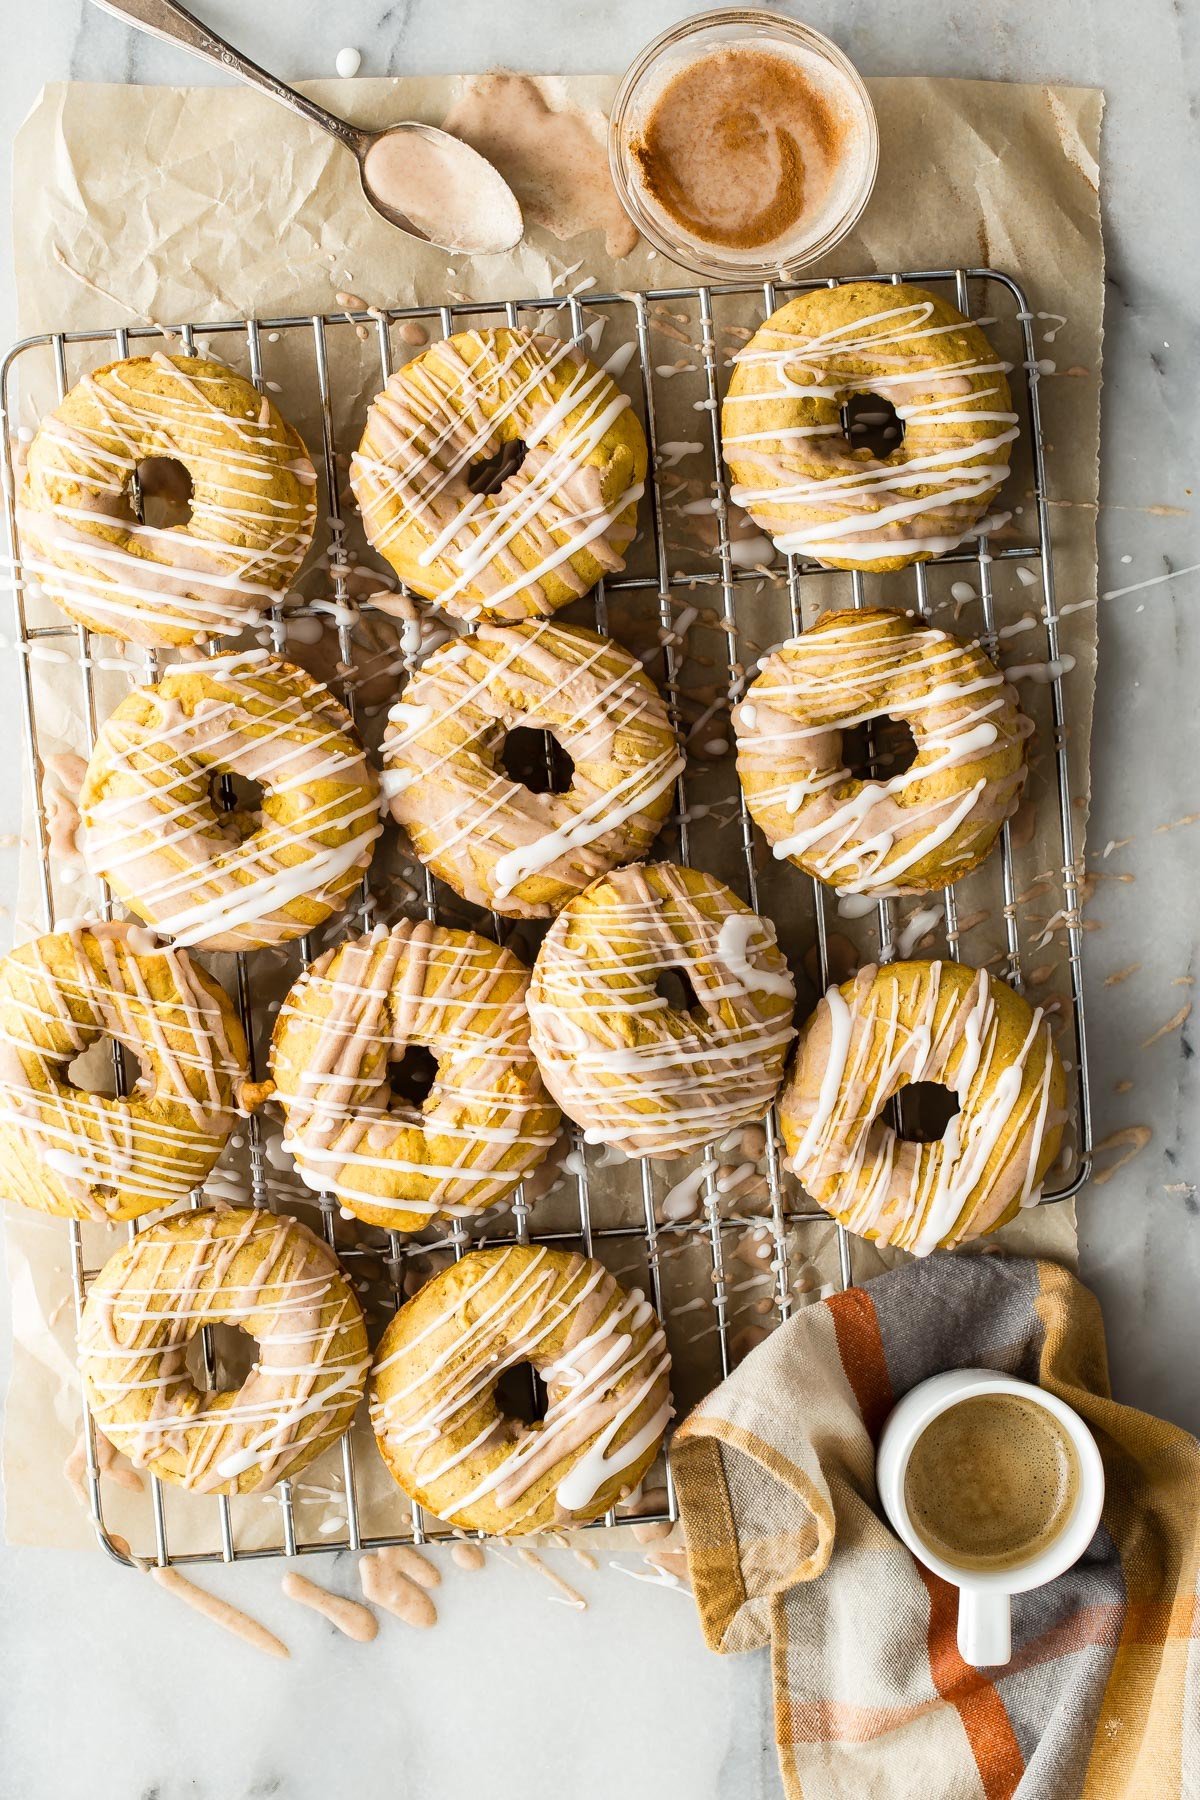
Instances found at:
x=973 y=1697
x=861 y=1350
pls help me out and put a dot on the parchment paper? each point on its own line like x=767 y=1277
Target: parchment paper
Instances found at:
x=173 y=204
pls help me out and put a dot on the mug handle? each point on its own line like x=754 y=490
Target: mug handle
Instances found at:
x=984 y=1627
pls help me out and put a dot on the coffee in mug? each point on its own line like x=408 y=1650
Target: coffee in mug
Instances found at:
x=991 y=1482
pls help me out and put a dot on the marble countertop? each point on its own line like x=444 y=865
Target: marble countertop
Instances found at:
x=514 y=1696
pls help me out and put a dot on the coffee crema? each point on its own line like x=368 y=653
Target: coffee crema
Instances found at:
x=991 y=1482
x=742 y=146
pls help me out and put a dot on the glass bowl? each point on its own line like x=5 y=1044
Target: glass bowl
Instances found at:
x=832 y=73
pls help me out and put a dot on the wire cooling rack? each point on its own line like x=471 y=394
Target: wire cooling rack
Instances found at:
x=744 y=603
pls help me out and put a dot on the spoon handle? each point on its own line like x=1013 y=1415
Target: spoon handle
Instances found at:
x=165 y=19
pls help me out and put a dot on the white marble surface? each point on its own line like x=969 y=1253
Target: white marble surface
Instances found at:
x=106 y=1687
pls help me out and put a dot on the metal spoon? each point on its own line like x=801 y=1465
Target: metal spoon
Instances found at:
x=457 y=165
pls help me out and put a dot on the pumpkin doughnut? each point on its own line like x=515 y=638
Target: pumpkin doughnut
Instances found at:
x=600 y=1350
x=794 y=471
x=485 y=1124
x=924 y=1021
x=253 y=502
x=634 y=1070
x=499 y=474
x=86 y=1156
x=492 y=839
x=918 y=830
x=223 y=1266
x=242 y=879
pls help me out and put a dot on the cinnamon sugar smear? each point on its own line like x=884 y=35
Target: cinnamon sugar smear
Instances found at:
x=747 y=146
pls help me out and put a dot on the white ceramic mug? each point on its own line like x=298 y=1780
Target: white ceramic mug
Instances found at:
x=984 y=1611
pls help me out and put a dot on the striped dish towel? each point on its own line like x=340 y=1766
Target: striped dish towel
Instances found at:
x=775 y=1472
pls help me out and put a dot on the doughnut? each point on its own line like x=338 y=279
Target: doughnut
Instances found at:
x=793 y=469
x=936 y=1022
x=253 y=502
x=487 y=1121
x=492 y=839
x=632 y=1068
x=600 y=1351
x=84 y=1155
x=223 y=1266
x=499 y=474
x=918 y=830
x=242 y=879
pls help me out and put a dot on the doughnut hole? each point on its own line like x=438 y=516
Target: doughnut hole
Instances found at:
x=674 y=985
x=220 y=1357
x=879 y=748
x=412 y=1075
x=489 y=475
x=923 y=1109
x=521 y=1394
x=94 y=1070
x=536 y=759
x=164 y=489
x=237 y=802
x=871 y=423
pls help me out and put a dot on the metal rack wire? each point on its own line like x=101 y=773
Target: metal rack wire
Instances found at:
x=731 y=586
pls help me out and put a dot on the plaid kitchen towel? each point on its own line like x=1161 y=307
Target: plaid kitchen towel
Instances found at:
x=775 y=1472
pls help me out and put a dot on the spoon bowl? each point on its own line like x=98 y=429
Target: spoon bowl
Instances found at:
x=424 y=182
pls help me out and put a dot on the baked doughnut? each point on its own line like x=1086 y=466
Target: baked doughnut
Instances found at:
x=600 y=1351
x=88 y=1156
x=918 y=830
x=253 y=502
x=492 y=839
x=487 y=1121
x=936 y=1022
x=223 y=1266
x=499 y=474
x=632 y=1069
x=241 y=879
x=793 y=469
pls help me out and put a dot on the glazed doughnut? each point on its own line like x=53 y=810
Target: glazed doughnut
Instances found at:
x=499 y=474
x=242 y=879
x=600 y=1351
x=918 y=830
x=253 y=502
x=485 y=1124
x=633 y=1070
x=223 y=1266
x=492 y=839
x=794 y=471
x=924 y=1021
x=87 y=1156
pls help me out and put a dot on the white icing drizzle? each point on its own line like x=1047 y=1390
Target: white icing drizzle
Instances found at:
x=630 y=1069
x=64 y=1150
x=913 y=831
x=486 y=834
x=600 y=1350
x=486 y=1123
x=795 y=473
x=253 y=502
x=958 y=1027
x=151 y=829
x=454 y=407
x=277 y=1281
